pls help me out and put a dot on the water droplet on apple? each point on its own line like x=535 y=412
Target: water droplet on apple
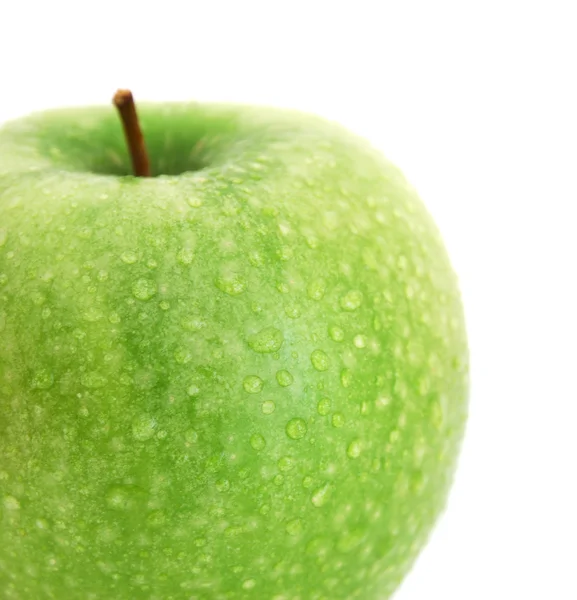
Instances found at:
x=307 y=482
x=122 y=497
x=360 y=341
x=3 y=236
x=43 y=379
x=192 y=323
x=321 y=495
x=320 y=360
x=185 y=256
x=253 y=384
x=267 y=340
x=284 y=378
x=279 y=479
x=257 y=442
x=143 y=427
x=346 y=378
x=294 y=527
x=354 y=449
x=292 y=311
x=183 y=356
x=143 y=289
x=338 y=420
x=11 y=503
x=164 y=305
x=324 y=406
x=93 y=380
x=296 y=428
x=248 y=584
x=129 y=257
x=351 y=300
x=316 y=289
x=2 y=321
x=195 y=201
x=264 y=509
x=268 y=407
x=223 y=485
x=156 y=518
x=114 y=318
x=336 y=334
x=286 y=463
x=190 y=436
x=233 y=285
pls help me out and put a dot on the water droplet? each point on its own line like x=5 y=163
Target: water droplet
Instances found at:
x=284 y=378
x=156 y=518
x=195 y=201
x=286 y=463
x=122 y=497
x=336 y=334
x=283 y=288
x=3 y=236
x=279 y=479
x=93 y=380
x=182 y=356
x=351 y=300
x=285 y=253
x=114 y=318
x=264 y=509
x=43 y=379
x=321 y=495
x=292 y=311
x=2 y=321
x=360 y=341
x=11 y=503
x=324 y=406
x=268 y=407
x=253 y=384
x=294 y=527
x=129 y=257
x=185 y=256
x=354 y=449
x=193 y=390
x=248 y=584
x=192 y=323
x=143 y=427
x=316 y=289
x=223 y=485
x=233 y=285
x=320 y=360
x=144 y=289
x=436 y=412
x=338 y=419
x=255 y=258
x=346 y=378
x=92 y=315
x=296 y=428
x=267 y=340
x=190 y=436
x=257 y=441
x=164 y=305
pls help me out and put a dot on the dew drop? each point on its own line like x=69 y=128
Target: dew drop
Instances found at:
x=307 y=482
x=336 y=334
x=338 y=420
x=185 y=256
x=190 y=436
x=195 y=201
x=354 y=449
x=360 y=341
x=346 y=378
x=267 y=340
x=223 y=485
x=11 y=503
x=93 y=380
x=129 y=257
x=284 y=378
x=257 y=442
x=278 y=480
x=182 y=356
x=144 y=289
x=233 y=285
x=122 y=497
x=286 y=463
x=351 y=300
x=3 y=236
x=320 y=360
x=316 y=289
x=253 y=384
x=156 y=518
x=324 y=406
x=321 y=495
x=43 y=379
x=292 y=311
x=294 y=527
x=143 y=427
x=296 y=429
x=268 y=407
x=248 y=584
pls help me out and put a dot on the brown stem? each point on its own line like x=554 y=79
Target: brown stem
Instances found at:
x=124 y=102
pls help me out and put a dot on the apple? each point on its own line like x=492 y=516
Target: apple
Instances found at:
x=243 y=377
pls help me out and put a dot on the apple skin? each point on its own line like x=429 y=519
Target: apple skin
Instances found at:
x=243 y=378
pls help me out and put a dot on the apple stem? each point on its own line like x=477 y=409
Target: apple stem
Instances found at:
x=124 y=102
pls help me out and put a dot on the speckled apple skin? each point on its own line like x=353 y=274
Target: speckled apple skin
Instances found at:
x=248 y=380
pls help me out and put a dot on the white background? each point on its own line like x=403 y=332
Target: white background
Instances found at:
x=477 y=103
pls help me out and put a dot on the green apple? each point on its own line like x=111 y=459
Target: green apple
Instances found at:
x=245 y=377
